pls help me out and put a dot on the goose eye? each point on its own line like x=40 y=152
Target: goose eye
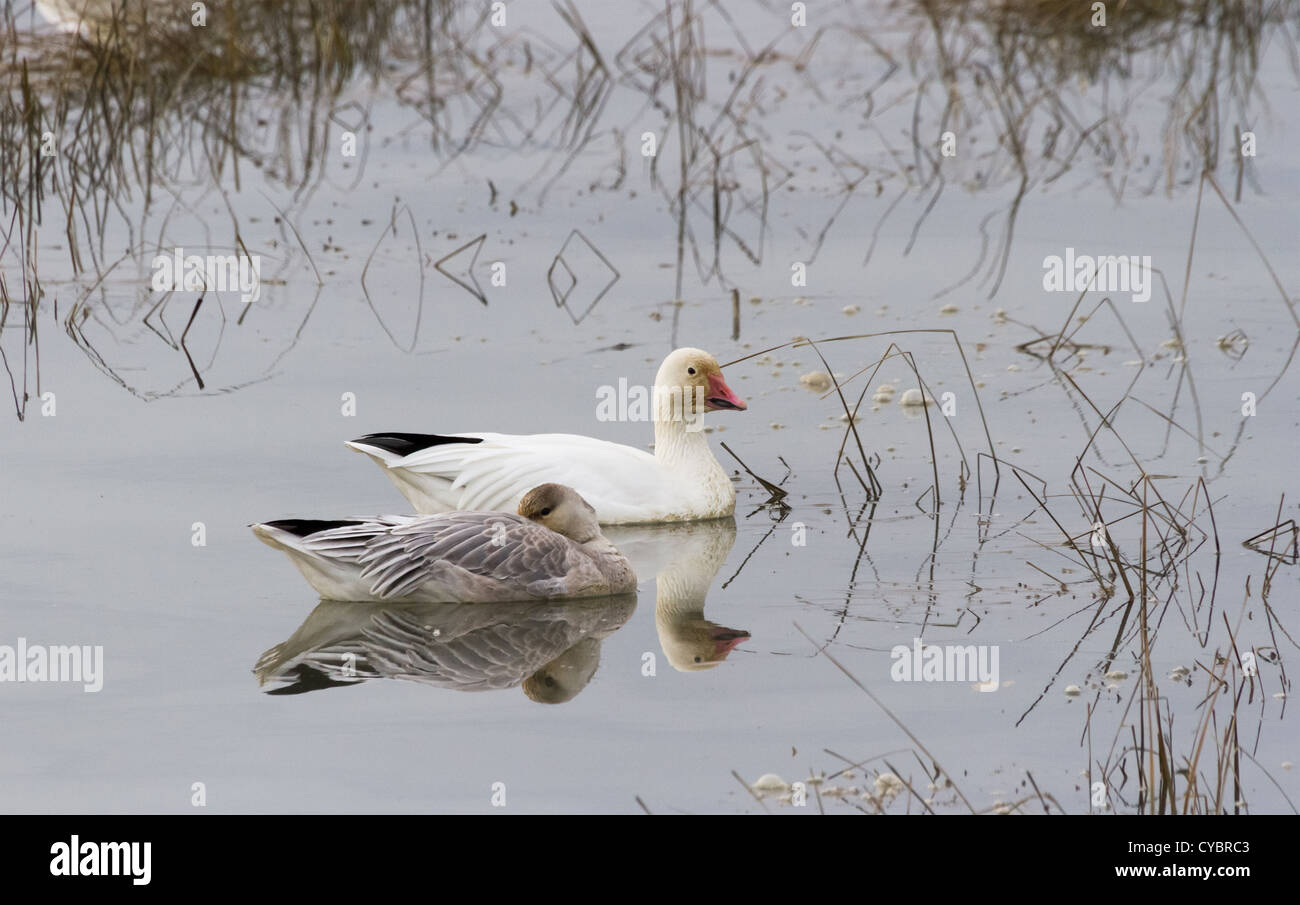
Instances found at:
x=546 y=511
x=690 y=371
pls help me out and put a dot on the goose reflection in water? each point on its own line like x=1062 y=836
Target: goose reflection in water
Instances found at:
x=685 y=559
x=551 y=651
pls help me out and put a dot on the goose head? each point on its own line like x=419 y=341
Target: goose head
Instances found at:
x=564 y=677
x=692 y=643
x=561 y=509
x=690 y=381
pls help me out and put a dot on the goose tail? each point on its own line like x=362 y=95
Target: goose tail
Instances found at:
x=390 y=447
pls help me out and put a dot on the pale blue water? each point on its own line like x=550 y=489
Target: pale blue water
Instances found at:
x=100 y=499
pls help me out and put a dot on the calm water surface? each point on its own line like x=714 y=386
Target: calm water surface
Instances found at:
x=822 y=150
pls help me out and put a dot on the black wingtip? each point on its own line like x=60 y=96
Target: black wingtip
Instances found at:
x=307 y=678
x=304 y=527
x=405 y=444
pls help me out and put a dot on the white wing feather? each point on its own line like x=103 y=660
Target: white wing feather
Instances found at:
x=494 y=474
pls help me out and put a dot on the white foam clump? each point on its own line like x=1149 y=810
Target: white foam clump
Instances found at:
x=914 y=398
x=817 y=381
x=888 y=786
x=770 y=784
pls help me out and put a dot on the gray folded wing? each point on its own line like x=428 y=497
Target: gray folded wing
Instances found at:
x=497 y=655
x=398 y=555
x=466 y=647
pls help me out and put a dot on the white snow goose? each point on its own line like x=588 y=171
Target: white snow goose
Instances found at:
x=681 y=481
x=551 y=550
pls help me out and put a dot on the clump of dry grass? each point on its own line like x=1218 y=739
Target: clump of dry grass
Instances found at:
x=1156 y=561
